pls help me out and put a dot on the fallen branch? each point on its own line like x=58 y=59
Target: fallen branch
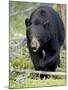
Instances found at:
x=40 y=72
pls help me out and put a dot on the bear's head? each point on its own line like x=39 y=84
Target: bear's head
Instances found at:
x=38 y=30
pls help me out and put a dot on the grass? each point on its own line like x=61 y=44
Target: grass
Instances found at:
x=37 y=83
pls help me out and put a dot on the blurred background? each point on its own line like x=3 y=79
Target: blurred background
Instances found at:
x=19 y=57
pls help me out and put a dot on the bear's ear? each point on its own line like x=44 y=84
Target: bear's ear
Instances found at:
x=46 y=24
x=27 y=22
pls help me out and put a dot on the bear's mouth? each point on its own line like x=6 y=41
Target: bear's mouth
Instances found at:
x=35 y=49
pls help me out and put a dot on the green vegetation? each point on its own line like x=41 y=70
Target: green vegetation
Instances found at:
x=23 y=61
x=34 y=81
x=37 y=83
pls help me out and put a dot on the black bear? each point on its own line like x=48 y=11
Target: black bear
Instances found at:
x=45 y=35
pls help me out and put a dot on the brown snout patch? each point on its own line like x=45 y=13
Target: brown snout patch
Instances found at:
x=35 y=44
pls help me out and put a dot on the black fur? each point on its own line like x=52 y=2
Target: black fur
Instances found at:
x=47 y=26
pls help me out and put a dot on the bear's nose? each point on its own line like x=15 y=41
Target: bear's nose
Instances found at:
x=33 y=45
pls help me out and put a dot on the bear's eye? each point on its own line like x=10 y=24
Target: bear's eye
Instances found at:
x=46 y=24
x=37 y=22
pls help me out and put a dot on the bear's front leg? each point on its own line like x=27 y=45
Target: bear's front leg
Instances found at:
x=49 y=59
x=42 y=60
